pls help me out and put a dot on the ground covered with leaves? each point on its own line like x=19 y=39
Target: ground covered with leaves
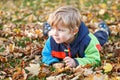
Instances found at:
x=21 y=40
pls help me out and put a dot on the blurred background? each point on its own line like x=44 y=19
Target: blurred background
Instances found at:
x=25 y=11
x=16 y=10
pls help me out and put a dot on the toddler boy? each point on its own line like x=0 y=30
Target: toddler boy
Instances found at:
x=70 y=40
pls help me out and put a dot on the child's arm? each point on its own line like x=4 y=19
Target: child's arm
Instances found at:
x=92 y=55
x=46 y=54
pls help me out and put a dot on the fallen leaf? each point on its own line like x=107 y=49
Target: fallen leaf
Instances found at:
x=102 y=11
x=118 y=78
x=108 y=67
x=19 y=75
x=103 y=5
x=3 y=59
x=87 y=72
x=114 y=7
x=11 y=47
x=33 y=69
x=17 y=30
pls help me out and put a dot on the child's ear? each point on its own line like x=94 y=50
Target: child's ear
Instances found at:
x=76 y=31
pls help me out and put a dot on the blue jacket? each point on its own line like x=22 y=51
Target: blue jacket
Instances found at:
x=54 y=52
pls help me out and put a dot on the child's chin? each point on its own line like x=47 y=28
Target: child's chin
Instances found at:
x=58 y=42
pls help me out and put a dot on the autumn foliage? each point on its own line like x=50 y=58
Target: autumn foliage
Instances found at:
x=21 y=40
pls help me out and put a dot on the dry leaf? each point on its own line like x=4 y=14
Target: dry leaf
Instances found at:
x=99 y=77
x=2 y=74
x=103 y=6
x=118 y=78
x=87 y=72
x=58 y=77
x=33 y=69
x=11 y=47
x=17 y=30
x=108 y=67
x=44 y=71
x=31 y=18
x=58 y=65
x=114 y=7
x=19 y=75
x=3 y=59
x=102 y=11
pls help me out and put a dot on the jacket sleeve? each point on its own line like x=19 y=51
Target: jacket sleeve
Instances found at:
x=46 y=54
x=92 y=55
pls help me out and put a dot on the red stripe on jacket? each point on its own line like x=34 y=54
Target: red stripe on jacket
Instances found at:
x=58 y=54
x=98 y=46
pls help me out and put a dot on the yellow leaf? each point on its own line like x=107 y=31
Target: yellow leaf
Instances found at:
x=82 y=3
x=11 y=47
x=112 y=19
x=102 y=11
x=28 y=3
x=31 y=18
x=105 y=77
x=118 y=78
x=89 y=15
x=17 y=30
x=14 y=17
x=103 y=5
x=108 y=67
x=114 y=7
x=110 y=55
x=38 y=32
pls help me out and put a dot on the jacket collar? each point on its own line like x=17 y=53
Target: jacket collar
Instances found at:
x=83 y=31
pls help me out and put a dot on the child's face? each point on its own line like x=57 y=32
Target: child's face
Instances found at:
x=62 y=34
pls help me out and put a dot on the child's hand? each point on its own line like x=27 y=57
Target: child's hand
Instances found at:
x=70 y=62
x=58 y=65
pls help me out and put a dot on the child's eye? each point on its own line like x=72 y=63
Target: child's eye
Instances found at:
x=60 y=30
x=57 y=29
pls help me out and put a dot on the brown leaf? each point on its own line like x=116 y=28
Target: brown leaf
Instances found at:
x=19 y=75
x=58 y=77
x=90 y=77
x=44 y=71
x=3 y=59
x=22 y=64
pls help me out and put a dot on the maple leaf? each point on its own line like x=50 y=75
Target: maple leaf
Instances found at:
x=33 y=69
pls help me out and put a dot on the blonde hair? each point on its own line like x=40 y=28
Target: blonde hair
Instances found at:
x=67 y=15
